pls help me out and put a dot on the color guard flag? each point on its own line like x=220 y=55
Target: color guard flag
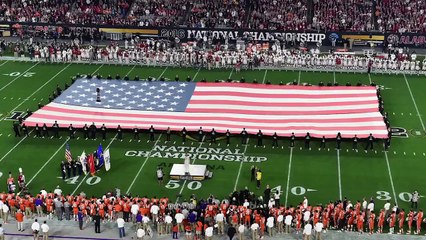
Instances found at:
x=100 y=156
x=68 y=155
x=83 y=162
x=92 y=164
x=107 y=160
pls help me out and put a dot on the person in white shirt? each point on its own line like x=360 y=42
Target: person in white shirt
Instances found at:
x=168 y=220
x=140 y=233
x=45 y=230
x=254 y=230
x=134 y=209
x=364 y=204
x=318 y=230
x=209 y=233
x=306 y=216
x=35 y=227
x=220 y=218
x=305 y=202
x=270 y=225
x=179 y=218
x=241 y=230
x=307 y=231
x=154 y=212
x=287 y=221
x=120 y=225
x=387 y=207
x=5 y=209
x=145 y=221
x=280 y=220
x=58 y=191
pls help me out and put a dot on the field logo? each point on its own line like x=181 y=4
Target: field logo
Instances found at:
x=399 y=132
x=197 y=153
x=15 y=115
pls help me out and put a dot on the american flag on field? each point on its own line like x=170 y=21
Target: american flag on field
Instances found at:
x=321 y=111
x=68 y=155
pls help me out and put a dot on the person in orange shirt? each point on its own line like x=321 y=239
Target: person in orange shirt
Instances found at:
x=410 y=221
x=401 y=219
x=371 y=220
x=419 y=218
x=20 y=220
x=360 y=222
x=392 y=221
x=198 y=229
x=381 y=221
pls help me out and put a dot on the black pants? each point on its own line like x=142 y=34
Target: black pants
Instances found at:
x=126 y=216
x=369 y=144
x=17 y=133
x=213 y=140
x=151 y=137
x=355 y=145
x=56 y=132
x=86 y=134
x=259 y=142
x=413 y=205
x=291 y=143
x=72 y=134
x=307 y=143
x=275 y=143
x=38 y=133
x=80 y=225
x=322 y=144
x=104 y=135
x=93 y=135
x=184 y=138
x=258 y=183
x=338 y=144
x=136 y=136
x=228 y=140
x=120 y=136
x=98 y=227
x=168 y=137
x=244 y=140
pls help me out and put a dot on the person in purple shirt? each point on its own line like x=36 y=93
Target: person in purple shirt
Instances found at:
x=80 y=217
x=192 y=217
x=39 y=206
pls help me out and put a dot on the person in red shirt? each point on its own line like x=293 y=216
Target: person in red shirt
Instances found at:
x=401 y=219
x=392 y=221
x=371 y=220
x=410 y=221
x=175 y=231
x=419 y=218
x=20 y=220
x=381 y=221
x=360 y=222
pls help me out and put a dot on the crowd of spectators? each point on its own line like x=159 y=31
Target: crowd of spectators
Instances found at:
x=401 y=16
x=285 y=15
x=342 y=15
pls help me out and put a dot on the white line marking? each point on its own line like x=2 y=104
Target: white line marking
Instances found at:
x=414 y=101
x=127 y=74
x=288 y=176
x=97 y=69
x=391 y=179
x=230 y=74
x=264 y=76
x=84 y=178
x=163 y=72
x=298 y=79
x=47 y=162
x=16 y=78
x=369 y=78
x=339 y=174
x=241 y=165
x=196 y=74
x=334 y=81
x=42 y=86
x=143 y=165
x=16 y=145
x=4 y=63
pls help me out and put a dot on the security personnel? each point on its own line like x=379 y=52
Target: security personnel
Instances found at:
x=40 y=105
x=370 y=141
x=275 y=140
x=355 y=141
x=188 y=79
x=200 y=134
x=177 y=78
x=168 y=133
x=25 y=129
x=244 y=136
x=388 y=141
x=213 y=136
x=79 y=167
x=135 y=133
x=151 y=133
x=37 y=130
x=292 y=139
x=307 y=140
x=323 y=142
x=258 y=178
x=119 y=133
x=338 y=140
x=63 y=170
x=86 y=131
x=16 y=129
x=55 y=127
x=228 y=137
x=71 y=131
x=58 y=90
x=93 y=131
x=259 y=138
x=44 y=130
x=103 y=131
x=184 y=132
x=74 y=168
x=69 y=168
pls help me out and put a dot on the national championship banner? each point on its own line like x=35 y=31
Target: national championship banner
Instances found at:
x=83 y=162
x=107 y=160
x=321 y=111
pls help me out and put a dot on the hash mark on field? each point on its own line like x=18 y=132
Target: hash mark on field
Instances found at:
x=9 y=135
x=241 y=165
x=288 y=176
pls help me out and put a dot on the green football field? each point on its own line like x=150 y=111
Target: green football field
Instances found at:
x=320 y=174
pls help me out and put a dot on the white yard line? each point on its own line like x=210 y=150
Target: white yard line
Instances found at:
x=196 y=74
x=127 y=74
x=42 y=86
x=298 y=79
x=97 y=69
x=16 y=145
x=143 y=165
x=193 y=161
x=47 y=162
x=369 y=78
x=84 y=178
x=334 y=77
x=415 y=104
x=339 y=174
x=16 y=78
x=163 y=72
x=230 y=74
x=4 y=63
x=391 y=178
x=288 y=177
x=241 y=166
x=264 y=76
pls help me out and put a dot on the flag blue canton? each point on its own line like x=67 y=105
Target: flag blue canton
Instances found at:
x=129 y=95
